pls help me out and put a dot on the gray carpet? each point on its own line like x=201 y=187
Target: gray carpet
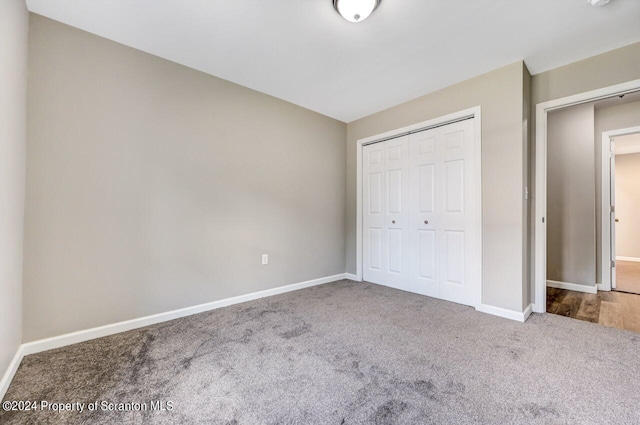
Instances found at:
x=345 y=353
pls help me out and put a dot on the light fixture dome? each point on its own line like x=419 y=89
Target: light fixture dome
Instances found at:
x=355 y=10
x=598 y=3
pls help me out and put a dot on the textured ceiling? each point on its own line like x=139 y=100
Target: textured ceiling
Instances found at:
x=302 y=51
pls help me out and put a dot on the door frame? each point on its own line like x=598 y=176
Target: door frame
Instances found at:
x=540 y=228
x=476 y=113
x=606 y=213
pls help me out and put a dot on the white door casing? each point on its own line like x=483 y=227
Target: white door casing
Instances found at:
x=612 y=214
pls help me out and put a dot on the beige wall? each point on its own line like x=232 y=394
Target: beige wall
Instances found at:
x=500 y=94
x=628 y=205
x=13 y=84
x=607 y=119
x=614 y=67
x=152 y=187
x=571 y=238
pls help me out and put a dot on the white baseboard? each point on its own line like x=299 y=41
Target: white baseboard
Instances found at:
x=634 y=259
x=589 y=289
x=114 y=328
x=88 y=334
x=352 y=277
x=10 y=372
x=519 y=316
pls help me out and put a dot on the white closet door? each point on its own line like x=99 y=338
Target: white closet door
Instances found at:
x=373 y=206
x=385 y=213
x=396 y=236
x=457 y=217
x=420 y=221
x=425 y=167
x=443 y=223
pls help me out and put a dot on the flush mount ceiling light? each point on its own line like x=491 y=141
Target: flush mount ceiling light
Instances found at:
x=598 y=3
x=355 y=10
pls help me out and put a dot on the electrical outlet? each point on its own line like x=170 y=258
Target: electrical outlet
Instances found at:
x=265 y=259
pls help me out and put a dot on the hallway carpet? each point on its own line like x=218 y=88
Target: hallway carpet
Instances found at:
x=344 y=353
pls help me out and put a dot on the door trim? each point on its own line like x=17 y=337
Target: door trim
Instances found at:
x=475 y=112
x=605 y=215
x=540 y=228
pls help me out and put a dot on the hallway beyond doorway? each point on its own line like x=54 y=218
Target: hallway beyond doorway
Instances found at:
x=628 y=276
x=613 y=309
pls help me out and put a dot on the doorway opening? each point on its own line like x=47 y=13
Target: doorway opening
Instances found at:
x=579 y=246
x=624 y=179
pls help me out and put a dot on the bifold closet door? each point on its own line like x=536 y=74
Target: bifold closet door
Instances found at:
x=385 y=213
x=420 y=224
x=443 y=220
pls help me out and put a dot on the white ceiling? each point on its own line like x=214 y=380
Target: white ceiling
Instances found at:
x=302 y=51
